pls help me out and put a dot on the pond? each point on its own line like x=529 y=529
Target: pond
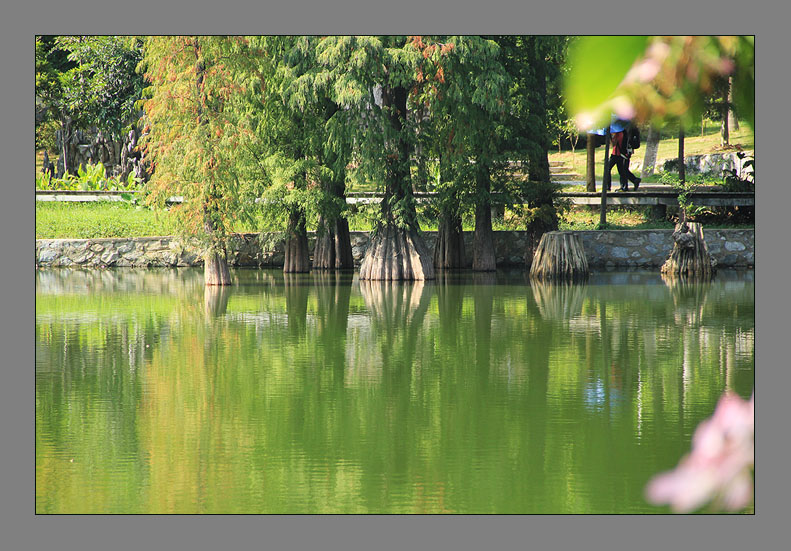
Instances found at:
x=317 y=393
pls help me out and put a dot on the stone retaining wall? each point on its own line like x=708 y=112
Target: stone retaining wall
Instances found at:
x=713 y=163
x=617 y=248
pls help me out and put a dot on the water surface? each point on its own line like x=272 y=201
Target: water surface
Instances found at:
x=317 y=393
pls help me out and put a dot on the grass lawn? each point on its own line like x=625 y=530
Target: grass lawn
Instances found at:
x=105 y=219
x=92 y=220
x=694 y=144
x=617 y=219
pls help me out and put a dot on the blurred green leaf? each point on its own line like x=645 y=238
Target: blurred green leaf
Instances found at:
x=598 y=65
x=744 y=80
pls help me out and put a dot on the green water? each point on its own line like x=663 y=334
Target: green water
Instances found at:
x=320 y=394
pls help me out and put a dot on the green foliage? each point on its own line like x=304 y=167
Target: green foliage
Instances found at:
x=743 y=51
x=102 y=89
x=90 y=81
x=742 y=179
x=537 y=205
x=367 y=78
x=697 y=179
x=195 y=132
x=684 y=200
x=92 y=177
x=46 y=135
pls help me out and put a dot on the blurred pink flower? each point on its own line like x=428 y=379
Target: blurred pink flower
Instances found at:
x=646 y=70
x=623 y=108
x=718 y=467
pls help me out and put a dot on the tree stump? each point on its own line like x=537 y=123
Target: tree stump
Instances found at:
x=560 y=256
x=690 y=255
x=396 y=253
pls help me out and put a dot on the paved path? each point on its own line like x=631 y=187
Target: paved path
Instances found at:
x=648 y=194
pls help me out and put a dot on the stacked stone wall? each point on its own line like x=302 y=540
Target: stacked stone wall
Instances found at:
x=732 y=248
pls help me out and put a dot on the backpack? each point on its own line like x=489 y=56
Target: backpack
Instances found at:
x=633 y=137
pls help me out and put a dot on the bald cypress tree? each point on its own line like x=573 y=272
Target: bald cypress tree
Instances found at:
x=328 y=141
x=370 y=79
x=533 y=64
x=192 y=137
x=463 y=88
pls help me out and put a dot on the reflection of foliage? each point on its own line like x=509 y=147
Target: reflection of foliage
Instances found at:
x=376 y=406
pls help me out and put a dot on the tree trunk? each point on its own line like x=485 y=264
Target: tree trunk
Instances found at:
x=215 y=260
x=397 y=251
x=725 y=135
x=535 y=233
x=449 y=250
x=682 y=167
x=733 y=121
x=63 y=138
x=690 y=255
x=538 y=167
x=560 y=256
x=333 y=247
x=540 y=225
x=651 y=149
x=483 y=256
x=297 y=258
x=606 y=181
x=590 y=163
x=215 y=267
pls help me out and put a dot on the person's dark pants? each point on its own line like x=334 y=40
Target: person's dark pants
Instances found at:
x=623 y=170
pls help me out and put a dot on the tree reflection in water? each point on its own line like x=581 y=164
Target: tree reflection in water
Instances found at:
x=471 y=393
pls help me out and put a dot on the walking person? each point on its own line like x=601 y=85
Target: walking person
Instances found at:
x=624 y=143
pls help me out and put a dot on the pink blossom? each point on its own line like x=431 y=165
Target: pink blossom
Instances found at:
x=623 y=108
x=719 y=466
x=647 y=70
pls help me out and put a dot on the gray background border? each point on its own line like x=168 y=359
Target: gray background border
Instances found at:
x=21 y=529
